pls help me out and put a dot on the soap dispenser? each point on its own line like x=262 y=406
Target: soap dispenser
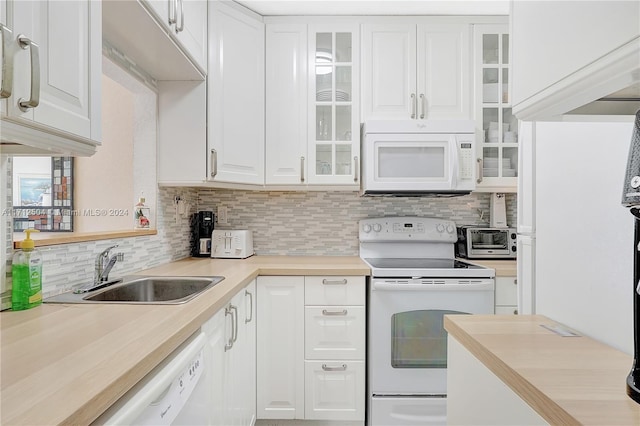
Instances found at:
x=26 y=275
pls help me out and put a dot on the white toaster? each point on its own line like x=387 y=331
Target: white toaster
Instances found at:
x=231 y=244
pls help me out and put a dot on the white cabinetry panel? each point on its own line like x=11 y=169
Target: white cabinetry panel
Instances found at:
x=236 y=95
x=280 y=382
x=335 y=332
x=334 y=390
x=286 y=100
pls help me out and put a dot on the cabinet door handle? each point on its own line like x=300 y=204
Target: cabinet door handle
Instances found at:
x=235 y=323
x=334 y=282
x=515 y=282
x=356 y=169
x=214 y=163
x=343 y=367
x=301 y=169
x=7 y=63
x=228 y=311
x=248 y=320
x=413 y=106
x=334 y=313
x=181 y=27
x=479 y=166
x=423 y=104
x=173 y=11
x=34 y=101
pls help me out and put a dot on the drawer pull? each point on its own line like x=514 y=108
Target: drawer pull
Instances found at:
x=334 y=313
x=343 y=367
x=334 y=282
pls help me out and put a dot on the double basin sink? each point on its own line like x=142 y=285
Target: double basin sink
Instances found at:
x=143 y=290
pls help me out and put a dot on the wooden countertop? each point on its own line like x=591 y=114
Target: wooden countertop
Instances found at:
x=67 y=363
x=503 y=268
x=566 y=380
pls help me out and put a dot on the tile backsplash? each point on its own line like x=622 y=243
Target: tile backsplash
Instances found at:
x=326 y=223
x=283 y=223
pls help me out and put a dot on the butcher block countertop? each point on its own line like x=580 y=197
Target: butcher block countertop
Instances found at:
x=566 y=380
x=67 y=363
x=503 y=268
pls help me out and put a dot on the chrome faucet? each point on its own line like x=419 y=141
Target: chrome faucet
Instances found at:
x=104 y=265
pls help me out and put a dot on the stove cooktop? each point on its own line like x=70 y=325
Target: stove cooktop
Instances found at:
x=426 y=267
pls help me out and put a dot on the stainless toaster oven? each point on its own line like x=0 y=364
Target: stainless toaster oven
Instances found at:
x=486 y=243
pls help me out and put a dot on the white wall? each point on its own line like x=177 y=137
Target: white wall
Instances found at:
x=584 y=264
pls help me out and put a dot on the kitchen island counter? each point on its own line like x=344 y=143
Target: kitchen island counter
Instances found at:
x=67 y=363
x=565 y=380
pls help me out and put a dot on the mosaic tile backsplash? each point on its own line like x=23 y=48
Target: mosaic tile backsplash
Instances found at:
x=326 y=223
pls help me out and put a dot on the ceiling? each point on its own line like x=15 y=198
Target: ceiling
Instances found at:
x=377 y=7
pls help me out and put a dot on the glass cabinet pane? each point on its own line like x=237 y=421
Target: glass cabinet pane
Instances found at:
x=343 y=47
x=343 y=159
x=490 y=162
x=490 y=85
x=324 y=123
x=510 y=126
x=490 y=125
x=324 y=76
x=324 y=50
x=343 y=84
x=509 y=162
x=490 y=49
x=505 y=49
x=323 y=159
x=505 y=85
x=343 y=122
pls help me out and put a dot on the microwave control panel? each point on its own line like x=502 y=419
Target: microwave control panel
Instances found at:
x=466 y=154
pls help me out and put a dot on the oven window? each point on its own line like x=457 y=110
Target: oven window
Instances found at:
x=418 y=339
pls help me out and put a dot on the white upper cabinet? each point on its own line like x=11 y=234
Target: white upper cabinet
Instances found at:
x=313 y=127
x=54 y=105
x=166 y=38
x=497 y=138
x=286 y=104
x=582 y=53
x=187 y=19
x=416 y=70
x=236 y=95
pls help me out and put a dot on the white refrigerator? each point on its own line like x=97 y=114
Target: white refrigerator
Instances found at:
x=574 y=238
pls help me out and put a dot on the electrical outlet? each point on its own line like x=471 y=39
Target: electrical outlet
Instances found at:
x=222 y=215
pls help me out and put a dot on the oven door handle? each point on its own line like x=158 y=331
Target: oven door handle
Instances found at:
x=381 y=286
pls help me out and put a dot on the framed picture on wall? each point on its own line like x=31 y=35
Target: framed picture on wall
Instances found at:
x=32 y=190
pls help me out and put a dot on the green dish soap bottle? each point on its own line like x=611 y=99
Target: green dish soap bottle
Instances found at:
x=26 y=274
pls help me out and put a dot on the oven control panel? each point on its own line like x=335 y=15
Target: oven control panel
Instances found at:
x=408 y=228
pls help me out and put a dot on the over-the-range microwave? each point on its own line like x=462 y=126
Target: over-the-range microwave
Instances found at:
x=415 y=157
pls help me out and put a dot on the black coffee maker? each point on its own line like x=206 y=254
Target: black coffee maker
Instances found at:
x=201 y=230
x=631 y=198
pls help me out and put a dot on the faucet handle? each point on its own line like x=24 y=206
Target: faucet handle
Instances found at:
x=106 y=251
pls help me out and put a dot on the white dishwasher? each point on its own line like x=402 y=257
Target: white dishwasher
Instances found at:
x=173 y=393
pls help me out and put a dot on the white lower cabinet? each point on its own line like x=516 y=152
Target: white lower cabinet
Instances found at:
x=311 y=348
x=334 y=390
x=232 y=359
x=506 y=296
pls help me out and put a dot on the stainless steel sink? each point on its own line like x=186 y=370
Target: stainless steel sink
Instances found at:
x=144 y=290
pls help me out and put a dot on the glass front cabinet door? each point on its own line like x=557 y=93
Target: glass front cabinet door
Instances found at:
x=334 y=130
x=497 y=128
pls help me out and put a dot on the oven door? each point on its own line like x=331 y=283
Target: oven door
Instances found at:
x=407 y=339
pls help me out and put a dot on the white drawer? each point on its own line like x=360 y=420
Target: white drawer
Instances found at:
x=334 y=290
x=334 y=332
x=506 y=291
x=334 y=390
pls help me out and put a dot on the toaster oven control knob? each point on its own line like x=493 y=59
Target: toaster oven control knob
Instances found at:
x=377 y=227
x=450 y=229
x=440 y=228
x=366 y=228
